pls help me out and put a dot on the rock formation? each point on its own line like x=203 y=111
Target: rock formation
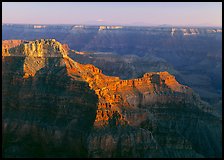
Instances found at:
x=39 y=48
x=188 y=50
x=66 y=109
x=9 y=44
x=46 y=113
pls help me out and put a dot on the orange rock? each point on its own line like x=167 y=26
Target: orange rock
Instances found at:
x=7 y=44
x=113 y=93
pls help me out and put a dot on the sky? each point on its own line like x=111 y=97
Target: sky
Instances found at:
x=114 y=13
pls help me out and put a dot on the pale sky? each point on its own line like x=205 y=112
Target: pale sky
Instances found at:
x=118 y=13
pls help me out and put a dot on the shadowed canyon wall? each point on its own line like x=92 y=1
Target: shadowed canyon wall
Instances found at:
x=54 y=106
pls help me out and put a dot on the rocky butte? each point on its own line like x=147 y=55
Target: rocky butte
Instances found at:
x=54 y=106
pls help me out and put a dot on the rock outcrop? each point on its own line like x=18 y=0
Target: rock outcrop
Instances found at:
x=47 y=114
x=66 y=109
x=39 y=48
x=34 y=53
x=188 y=50
x=9 y=44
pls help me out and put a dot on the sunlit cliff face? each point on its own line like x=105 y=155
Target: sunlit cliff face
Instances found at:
x=150 y=109
x=113 y=93
x=35 y=52
x=6 y=44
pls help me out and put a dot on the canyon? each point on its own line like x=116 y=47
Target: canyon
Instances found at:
x=192 y=54
x=54 y=106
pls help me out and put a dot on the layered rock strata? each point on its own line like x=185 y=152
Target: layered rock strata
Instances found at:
x=65 y=109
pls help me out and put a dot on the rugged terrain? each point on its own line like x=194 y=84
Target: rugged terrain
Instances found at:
x=54 y=106
x=204 y=76
x=192 y=54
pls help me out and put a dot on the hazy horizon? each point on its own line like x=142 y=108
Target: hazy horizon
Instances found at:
x=159 y=25
x=200 y=14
